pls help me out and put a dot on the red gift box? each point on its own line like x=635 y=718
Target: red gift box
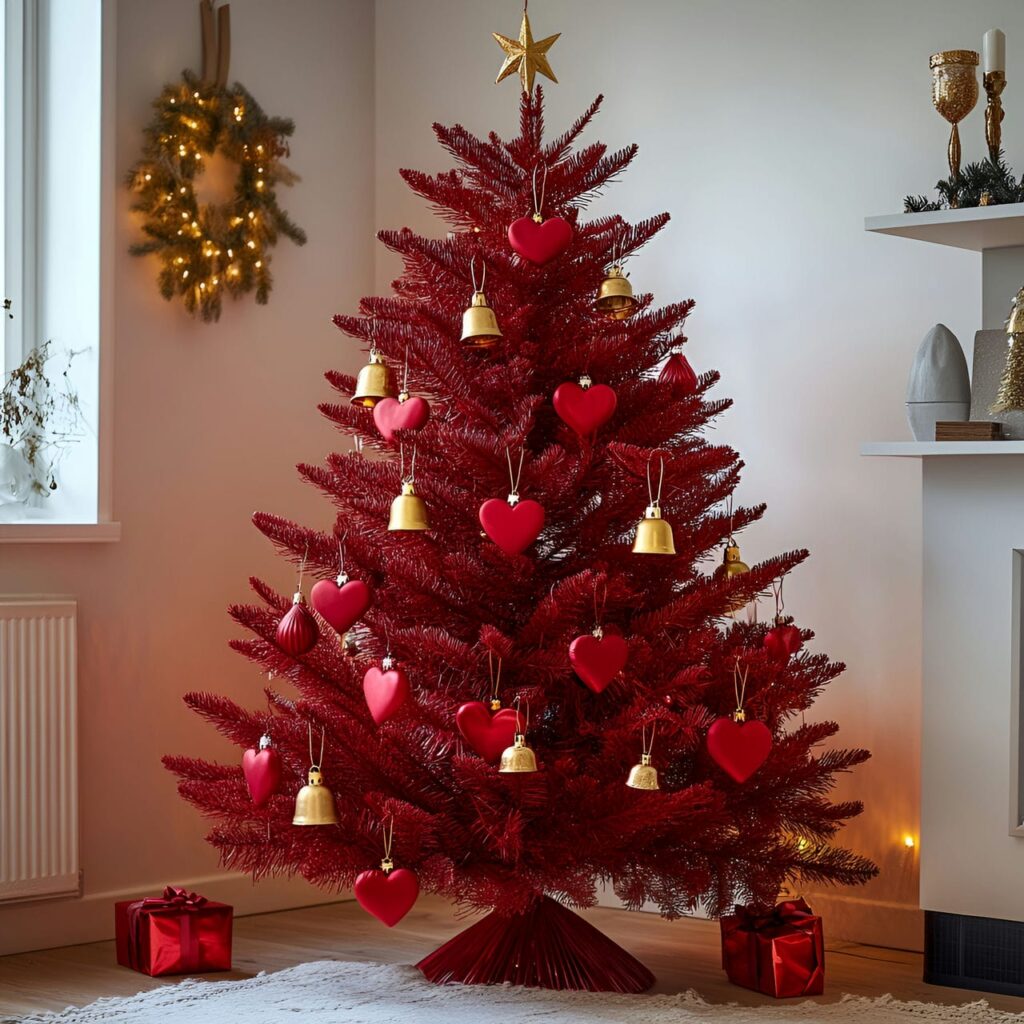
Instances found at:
x=780 y=951
x=177 y=933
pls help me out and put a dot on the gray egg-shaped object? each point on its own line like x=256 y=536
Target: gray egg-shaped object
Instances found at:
x=939 y=386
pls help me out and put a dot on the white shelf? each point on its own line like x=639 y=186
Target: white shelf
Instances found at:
x=923 y=449
x=977 y=228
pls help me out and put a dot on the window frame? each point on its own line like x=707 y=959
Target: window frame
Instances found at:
x=29 y=17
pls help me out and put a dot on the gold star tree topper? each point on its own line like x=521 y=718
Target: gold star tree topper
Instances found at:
x=525 y=55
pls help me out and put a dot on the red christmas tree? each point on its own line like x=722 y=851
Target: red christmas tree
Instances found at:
x=449 y=601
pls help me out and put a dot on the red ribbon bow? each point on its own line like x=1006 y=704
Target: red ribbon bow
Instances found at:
x=794 y=912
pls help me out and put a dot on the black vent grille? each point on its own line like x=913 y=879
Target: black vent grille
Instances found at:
x=974 y=952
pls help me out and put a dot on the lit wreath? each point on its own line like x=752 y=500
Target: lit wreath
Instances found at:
x=208 y=250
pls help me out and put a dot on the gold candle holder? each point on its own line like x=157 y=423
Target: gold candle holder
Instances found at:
x=995 y=83
x=954 y=93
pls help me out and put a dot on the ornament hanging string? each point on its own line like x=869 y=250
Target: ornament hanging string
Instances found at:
x=388 y=836
x=520 y=727
x=648 y=748
x=656 y=502
x=599 y=608
x=495 y=678
x=341 y=553
x=780 y=602
x=483 y=274
x=539 y=206
x=411 y=478
x=323 y=733
x=739 y=683
x=515 y=477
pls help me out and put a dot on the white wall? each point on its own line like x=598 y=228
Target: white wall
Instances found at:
x=769 y=130
x=209 y=423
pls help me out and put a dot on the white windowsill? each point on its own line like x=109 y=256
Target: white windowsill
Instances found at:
x=59 y=533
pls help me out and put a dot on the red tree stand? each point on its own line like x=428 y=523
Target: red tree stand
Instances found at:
x=449 y=600
x=548 y=946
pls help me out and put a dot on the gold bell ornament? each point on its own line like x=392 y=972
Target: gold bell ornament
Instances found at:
x=654 y=534
x=519 y=757
x=1011 y=385
x=408 y=509
x=615 y=296
x=373 y=383
x=479 y=324
x=734 y=566
x=315 y=803
x=644 y=775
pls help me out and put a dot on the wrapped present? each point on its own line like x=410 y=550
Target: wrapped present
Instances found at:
x=779 y=951
x=177 y=933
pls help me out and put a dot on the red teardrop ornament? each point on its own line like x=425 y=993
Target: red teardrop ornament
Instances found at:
x=297 y=632
x=487 y=732
x=512 y=527
x=389 y=896
x=391 y=414
x=540 y=242
x=342 y=604
x=597 y=660
x=739 y=748
x=386 y=690
x=262 y=770
x=678 y=372
x=584 y=409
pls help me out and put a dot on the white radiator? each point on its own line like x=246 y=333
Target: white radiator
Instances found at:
x=38 y=749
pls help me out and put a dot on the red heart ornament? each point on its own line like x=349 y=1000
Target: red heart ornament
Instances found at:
x=584 y=409
x=385 y=691
x=262 y=770
x=512 y=527
x=783 y=641
x=486 y=732
x=389 y=896
x=541 y=242
x=739 y=748
x=390 y=415
x=341 y=602
x=597 y=660
x=297 y=632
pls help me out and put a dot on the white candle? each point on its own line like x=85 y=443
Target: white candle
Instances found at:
x=993 y=47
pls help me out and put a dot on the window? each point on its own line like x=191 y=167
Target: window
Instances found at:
x=52 y=154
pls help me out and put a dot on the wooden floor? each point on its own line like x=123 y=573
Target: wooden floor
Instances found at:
x=683 y=954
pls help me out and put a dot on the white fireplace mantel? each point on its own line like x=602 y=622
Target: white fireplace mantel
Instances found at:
x=972 y=793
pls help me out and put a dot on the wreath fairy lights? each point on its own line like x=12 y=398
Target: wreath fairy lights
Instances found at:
x=207 y=250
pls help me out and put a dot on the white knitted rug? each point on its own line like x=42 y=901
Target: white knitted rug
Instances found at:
x=333 y=992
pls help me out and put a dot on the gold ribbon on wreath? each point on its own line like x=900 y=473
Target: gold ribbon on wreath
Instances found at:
x=216 y=43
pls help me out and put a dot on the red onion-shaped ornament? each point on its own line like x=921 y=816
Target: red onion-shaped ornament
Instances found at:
x=297 y=632
x=678 y=372
x=783 y=640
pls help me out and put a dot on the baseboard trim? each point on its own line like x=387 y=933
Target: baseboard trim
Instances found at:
x=69 y=922
x=847 y=919
x=871 y=922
